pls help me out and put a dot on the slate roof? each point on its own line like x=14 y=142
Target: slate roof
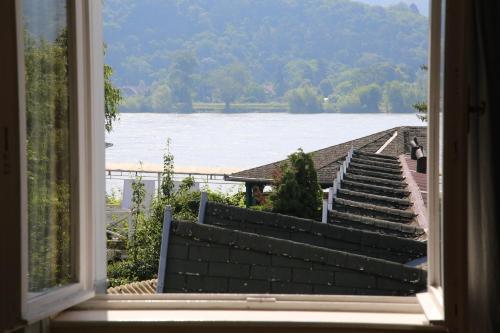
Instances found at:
x=138 y=288
x=374 y=195
x=213 y=259
x=328 y=160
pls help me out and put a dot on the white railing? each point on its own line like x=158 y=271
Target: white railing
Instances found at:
x=332 y=191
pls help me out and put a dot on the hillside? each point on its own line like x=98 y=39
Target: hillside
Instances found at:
x=421 y=5
x=184 y=51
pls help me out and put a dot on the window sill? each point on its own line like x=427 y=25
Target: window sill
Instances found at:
x=370 y=313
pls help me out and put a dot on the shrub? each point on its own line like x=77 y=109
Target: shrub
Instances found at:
x=144 y=248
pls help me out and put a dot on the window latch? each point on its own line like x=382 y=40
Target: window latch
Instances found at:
x=479 y=109
x=261 y=299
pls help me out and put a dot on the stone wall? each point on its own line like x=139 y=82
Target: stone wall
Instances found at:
x=206 y=258
x=315 y=233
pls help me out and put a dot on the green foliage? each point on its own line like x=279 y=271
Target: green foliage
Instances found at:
x=113 y=199
x=112 y=99
x=194 y=51
x=48 y=157
x=180 y=81
x=305 y=99
x=362 y=99
x=421 y=107
x=167 y=179
x=297 y=191
x=229 y=82
x=144 y=248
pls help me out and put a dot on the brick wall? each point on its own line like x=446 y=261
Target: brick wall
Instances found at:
x=206 y=258
x=314 y=233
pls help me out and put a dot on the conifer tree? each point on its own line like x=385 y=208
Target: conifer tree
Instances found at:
x=297 y=191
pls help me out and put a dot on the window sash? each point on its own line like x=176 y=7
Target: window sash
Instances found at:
x=87 y=109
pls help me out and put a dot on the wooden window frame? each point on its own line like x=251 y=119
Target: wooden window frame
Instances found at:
x=441 y=306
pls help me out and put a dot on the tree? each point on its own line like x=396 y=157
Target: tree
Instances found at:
x=394 y=96
x=326 y=87
x=180 y=80
x=230 y=82
x=305 y=99
x=167 y=180
x=421 y=106
x=161 y=98
x=297 y=191
x=369 y=97
x=112 y=98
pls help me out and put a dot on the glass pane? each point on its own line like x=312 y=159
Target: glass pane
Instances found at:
x=48 y=143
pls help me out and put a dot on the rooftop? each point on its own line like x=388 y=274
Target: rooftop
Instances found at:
x=328 y=160
x=373 y=241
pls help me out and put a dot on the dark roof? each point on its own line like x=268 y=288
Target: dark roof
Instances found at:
x=374 y=195
x=211 y=259
x=332 y=236
x=328 y=160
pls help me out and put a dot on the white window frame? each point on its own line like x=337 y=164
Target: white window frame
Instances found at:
x=417 y=312
x=430 y=302
x=87 y=137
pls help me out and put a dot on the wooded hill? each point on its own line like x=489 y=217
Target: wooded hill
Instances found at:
x=185 y=51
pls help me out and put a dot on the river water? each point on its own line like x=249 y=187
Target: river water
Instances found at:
x=229 y=142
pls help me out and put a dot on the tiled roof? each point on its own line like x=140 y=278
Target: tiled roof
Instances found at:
x=372 y=243
x=331 y=236
x=142 y=287
x=328 y=160
x=374 y=195
x=207 y=258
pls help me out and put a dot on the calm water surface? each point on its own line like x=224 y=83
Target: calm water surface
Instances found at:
x=237 y=141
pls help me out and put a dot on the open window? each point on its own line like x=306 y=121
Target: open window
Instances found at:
x=73 y=268
x=57 y=58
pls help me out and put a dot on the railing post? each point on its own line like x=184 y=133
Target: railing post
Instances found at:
x=330 y=198
x=324 y=215
x=162 y=266
x=203 y=206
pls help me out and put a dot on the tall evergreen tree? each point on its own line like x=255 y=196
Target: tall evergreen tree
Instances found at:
x=297 y=191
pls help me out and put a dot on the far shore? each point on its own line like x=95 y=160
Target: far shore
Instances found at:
x=243 y=108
